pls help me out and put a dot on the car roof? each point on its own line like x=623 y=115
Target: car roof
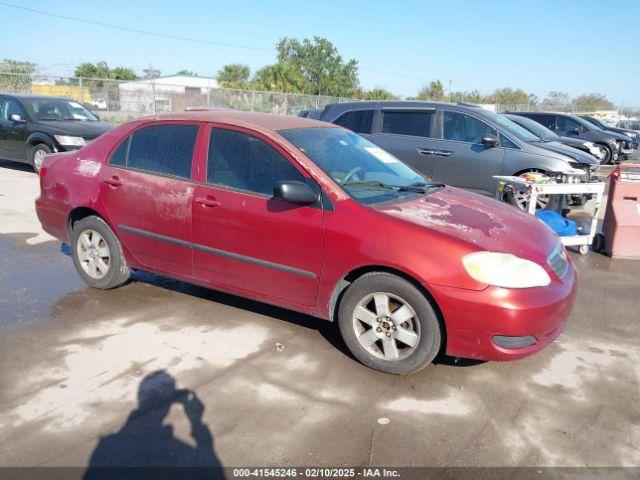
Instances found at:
x=32 y=96
x=255 y=120
x=334 y=109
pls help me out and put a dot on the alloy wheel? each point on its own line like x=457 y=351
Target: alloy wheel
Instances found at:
x=386 y=326
x=93 y=254
x=38 y=157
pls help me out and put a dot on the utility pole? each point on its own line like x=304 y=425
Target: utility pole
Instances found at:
x=449 y=90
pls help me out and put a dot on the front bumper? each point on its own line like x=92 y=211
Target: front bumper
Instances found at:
x=473 y=318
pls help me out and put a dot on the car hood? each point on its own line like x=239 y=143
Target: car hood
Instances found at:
x=571 y=152
x=76 y=128
x=620 y=130
x=600 y=136
x=482 y=222
x=573 y=142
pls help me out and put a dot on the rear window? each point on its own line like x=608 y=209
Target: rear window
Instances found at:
x=163 y=149
x=416 y=124
x=358 y=121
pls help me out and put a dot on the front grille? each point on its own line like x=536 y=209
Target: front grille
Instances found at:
x=558 y=262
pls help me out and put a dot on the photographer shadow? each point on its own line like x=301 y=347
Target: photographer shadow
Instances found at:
x=146 y=448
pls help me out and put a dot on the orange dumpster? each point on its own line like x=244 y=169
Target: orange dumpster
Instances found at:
x=621 y=225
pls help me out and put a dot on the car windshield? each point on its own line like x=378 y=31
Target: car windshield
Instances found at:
x=512 y=127
x=366 y=172
x=58 y=109
x=534 y=127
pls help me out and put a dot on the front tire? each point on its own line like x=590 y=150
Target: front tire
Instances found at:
x=97 y=254
x=608 y=155
x=36 y=155
x=388 y=324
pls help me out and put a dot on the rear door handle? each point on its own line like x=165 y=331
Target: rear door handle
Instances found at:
x=113 y=181
x=208 y=201
x=442 y=153
x=425 y=151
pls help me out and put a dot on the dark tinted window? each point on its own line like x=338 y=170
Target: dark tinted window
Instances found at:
x=548 y=121
x=11 y=107
x=464 y=128
x=166 y=149
x=417 y=124
x=358 y=121
x=119 y=156
x=244 y=162
x=566 y=124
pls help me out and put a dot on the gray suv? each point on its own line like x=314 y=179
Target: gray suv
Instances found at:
x=456 y=144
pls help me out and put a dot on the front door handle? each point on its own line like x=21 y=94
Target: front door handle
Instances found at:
x=113 y=181
x=208 y=201
x=424 y=151
x=442 y=153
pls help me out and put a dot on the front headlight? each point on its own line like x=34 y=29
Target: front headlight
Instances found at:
x=630 y=134
x=505 y=270
x=68 y=141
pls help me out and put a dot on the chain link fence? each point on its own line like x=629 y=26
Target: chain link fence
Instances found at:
x=119 y=101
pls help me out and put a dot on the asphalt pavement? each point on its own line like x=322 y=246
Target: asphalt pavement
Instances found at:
x=179 y=374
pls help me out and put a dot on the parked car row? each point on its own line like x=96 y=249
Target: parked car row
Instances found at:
x=464 y=145
x=32 y=126
x=617 y=145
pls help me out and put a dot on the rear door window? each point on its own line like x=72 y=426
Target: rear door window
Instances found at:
x=413 y=123
x=244 y=162
x=162 y=149
x=567 y=125
x=461 y=127
x=548 y=121
x=358 y=121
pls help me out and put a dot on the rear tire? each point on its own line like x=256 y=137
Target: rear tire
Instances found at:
x=36 y=155
x=399 y=335
x=97 y=254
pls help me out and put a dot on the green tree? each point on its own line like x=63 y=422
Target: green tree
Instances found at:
x=151 y=73
x=17 y=75
x=592 y=101
x=91 y=70
x=315 y=67
x=377 y=93
x=186 y=73
x=234 y=75
x=509 y=96
x=122 y=73
x=433 y=91
x=556 y=100
x=280 y=77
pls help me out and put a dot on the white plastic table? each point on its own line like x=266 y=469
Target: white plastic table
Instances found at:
x=532 y=190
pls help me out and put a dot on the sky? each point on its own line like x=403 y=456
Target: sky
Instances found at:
x=579 y=46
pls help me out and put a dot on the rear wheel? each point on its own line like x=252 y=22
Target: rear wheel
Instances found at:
x=97 y=254
x=36 y=155
x=388 y=324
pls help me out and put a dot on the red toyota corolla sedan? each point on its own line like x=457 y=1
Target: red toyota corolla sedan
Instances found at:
x=315 y=218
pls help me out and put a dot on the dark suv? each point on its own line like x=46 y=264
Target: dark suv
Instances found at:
x=567 y=125
x=456 y=144
x=32 y=126
x=632 y=134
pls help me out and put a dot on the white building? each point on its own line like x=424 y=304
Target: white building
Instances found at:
x=165 y=94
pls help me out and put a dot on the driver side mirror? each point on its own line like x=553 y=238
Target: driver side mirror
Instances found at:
x=576 y=131
x=490 y=141
x=293 y=191
x=17 y=118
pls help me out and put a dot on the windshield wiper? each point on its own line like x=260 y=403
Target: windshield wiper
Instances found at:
x=418 y=187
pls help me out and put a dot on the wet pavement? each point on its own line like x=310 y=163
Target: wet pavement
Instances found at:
x=278 y=388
